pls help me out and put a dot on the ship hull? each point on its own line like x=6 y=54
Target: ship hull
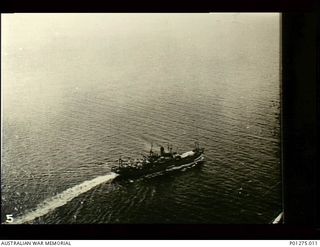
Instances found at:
x=158 y=169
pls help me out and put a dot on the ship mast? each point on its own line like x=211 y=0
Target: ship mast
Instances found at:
x=196 y=144
x=151 y=152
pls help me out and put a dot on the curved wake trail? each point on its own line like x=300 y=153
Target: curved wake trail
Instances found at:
x=63 y=198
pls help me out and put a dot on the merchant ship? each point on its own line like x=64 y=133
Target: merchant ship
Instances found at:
x=155 y=163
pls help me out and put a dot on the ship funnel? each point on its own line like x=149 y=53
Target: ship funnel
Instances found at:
x=161 y=151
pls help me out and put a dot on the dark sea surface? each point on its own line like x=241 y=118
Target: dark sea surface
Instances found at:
x=77 y=96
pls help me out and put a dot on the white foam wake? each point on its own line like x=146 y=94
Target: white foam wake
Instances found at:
x=63 y=198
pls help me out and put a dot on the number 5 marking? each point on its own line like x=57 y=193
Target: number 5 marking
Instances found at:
x=9 y=218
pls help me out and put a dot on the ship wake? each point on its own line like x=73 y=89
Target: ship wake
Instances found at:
x=63 y=198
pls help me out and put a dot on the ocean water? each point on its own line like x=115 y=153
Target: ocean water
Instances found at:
x=81 y=90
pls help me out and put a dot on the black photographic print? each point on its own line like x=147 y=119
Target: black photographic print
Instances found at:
x=141 y=118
